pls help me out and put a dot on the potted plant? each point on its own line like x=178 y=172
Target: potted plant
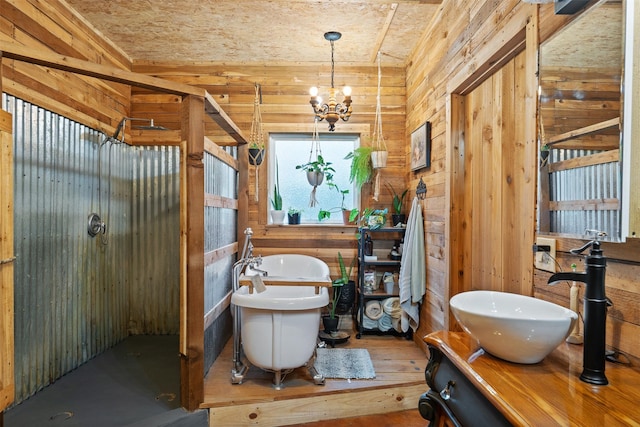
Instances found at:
x=325 y=214
x=256 y=138
x=293 y=216
x=277 y=214
x=371 y=218
x=316 y=170
x=256 y=153
x=331 y=320
x=347 y=293
x=544 y=154
x=397 y=217
x=361 y=167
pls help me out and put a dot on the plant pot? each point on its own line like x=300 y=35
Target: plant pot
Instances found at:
x=315 y=178
x=544 y=154
x=293 y=219
x=398 y=219
x=255 y=156
x=379 y=159
x=347 y=298
x=277 y=217
x=346 y=213
x=330 y=324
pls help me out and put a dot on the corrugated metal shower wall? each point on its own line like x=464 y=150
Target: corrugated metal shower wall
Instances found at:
x=76 y=296
x=220 y=231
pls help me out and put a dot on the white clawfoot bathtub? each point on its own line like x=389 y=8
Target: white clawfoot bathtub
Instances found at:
x=279 y=326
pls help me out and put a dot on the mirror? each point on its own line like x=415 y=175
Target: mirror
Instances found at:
x=582 y=177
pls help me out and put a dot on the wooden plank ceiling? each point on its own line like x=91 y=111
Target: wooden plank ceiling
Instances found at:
x=256 y=31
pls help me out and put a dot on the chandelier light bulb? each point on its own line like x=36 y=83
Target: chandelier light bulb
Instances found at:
x=313 y=91
x=346 y=91
x=319 y=99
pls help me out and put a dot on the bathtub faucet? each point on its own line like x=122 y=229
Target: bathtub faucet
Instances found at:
x=254 y=263
x=595 y=309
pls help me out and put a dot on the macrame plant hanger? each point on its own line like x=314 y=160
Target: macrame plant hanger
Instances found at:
x=316 y=151
x=378 y=143
x=256 y=138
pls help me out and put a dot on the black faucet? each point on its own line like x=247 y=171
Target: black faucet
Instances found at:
x=595 y=311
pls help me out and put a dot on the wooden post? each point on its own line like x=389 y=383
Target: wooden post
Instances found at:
x=7 y=257
x=192 y=253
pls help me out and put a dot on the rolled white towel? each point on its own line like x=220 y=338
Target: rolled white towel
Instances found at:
x=391 y=306
x=368 y=323
x=373 y=310
x=385 y=323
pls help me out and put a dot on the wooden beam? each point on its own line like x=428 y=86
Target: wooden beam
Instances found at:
x=383 y=32
x=587 y=130
x=217 y=152
x=580 y=162
x=7 y=260
x=192 y=254
x=86 y=68
x=218 y=115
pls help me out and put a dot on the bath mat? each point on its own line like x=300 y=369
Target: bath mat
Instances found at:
x=348 y=363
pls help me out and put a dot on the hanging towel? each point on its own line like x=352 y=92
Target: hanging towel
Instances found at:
x=413 y=275
x=373 y=310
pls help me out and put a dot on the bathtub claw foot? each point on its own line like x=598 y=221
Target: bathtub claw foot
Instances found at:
x=318 y=378
x=237 y=375
x=277 y=380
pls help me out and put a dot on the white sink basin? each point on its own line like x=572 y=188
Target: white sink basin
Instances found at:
x=513 y=327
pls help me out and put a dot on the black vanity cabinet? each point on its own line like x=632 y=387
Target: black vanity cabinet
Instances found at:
x=452 y=400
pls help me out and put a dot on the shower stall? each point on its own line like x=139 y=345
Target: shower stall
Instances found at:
x=76 y=296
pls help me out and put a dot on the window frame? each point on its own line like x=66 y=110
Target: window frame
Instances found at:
x=352 y=138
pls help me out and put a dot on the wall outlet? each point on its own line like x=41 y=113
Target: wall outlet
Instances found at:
x=546 y=260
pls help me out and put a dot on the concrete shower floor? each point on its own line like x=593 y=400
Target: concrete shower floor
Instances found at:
x=137 y=382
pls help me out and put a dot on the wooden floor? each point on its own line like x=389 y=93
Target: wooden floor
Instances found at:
x=399 y=366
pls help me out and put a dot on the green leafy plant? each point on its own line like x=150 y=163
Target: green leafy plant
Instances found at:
x=293 y=211
x=398 y=199
x=320 y=166
x=324 y=214
x=363 y=217
x=276 y=200
x=361 y=166
x=344 y=278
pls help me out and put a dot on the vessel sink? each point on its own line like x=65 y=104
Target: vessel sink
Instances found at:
x=513 y=327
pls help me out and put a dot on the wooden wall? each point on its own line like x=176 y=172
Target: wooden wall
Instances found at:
x=51 y=26
x=455 y=43
x=285 y=108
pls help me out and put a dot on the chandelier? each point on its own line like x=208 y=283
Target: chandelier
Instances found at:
x=331 y=111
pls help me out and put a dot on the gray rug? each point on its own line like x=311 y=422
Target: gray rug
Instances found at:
x=348 y=363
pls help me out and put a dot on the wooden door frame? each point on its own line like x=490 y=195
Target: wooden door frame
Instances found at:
x=486 y=61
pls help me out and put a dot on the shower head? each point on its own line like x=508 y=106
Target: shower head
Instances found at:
x=122 y=125
x=150 y=126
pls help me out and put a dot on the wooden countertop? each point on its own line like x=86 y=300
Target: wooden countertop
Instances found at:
x=548 y=393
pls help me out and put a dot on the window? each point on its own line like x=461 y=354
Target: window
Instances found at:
x=291 y=150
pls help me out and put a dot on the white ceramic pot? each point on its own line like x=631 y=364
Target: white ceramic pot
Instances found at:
x=379 y=159
x=277 y=217
x=315 y=178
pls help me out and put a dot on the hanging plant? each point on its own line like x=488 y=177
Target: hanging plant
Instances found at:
x=361 y=166
x=256 y=137
x=316 y=168
x=256 y=140
x=379 y=154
